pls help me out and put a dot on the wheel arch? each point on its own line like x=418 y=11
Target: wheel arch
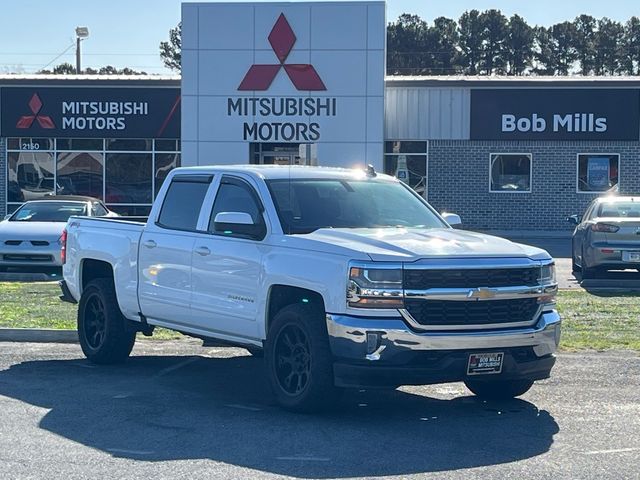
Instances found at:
x=91 y=269
x=281 y=296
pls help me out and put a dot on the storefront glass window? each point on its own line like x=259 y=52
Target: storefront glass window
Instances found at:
x=30 y=175
x=405 y=147
x=90 y=166
x=80 y=173
x=510 y=172
x=129 y=144
x=128 y=178
x=165 y=162
x=598 y=172
x=80 y=144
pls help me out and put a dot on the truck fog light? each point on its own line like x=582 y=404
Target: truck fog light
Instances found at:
x=373 y=342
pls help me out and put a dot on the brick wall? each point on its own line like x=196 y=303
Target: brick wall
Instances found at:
x=3 y=178
x=459 y=182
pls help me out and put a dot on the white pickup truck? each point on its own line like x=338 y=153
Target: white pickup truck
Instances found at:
x=341 y=278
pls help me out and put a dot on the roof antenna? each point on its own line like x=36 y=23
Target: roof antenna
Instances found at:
x=371 y=172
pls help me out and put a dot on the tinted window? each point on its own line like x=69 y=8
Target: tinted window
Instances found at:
x=307 y=205
x=235 y=196
x=619 y=209
x=183 y=202
x=48 y=211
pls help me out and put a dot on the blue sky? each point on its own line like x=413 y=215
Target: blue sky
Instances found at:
x=127 y=32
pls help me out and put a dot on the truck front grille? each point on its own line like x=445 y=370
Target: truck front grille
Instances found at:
x=470 y=278
x=472 y=313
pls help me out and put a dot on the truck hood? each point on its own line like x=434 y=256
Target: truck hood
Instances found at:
x=31 y=230
x=406 y=245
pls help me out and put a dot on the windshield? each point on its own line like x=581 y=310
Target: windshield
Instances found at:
x=619 y=209
x=306 y=205
x=48 y=211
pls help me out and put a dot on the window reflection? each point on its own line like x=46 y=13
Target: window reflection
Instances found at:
x=80 y=173
x=29 y=175
x=128 y=178
x=165 y=162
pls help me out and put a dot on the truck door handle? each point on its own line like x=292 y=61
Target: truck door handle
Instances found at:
x=150 y=244
x=203 y=251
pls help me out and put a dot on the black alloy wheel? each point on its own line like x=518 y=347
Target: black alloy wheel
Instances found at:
x=105 y=334
x=293 y=359
x=95 y=321
x=299 y=360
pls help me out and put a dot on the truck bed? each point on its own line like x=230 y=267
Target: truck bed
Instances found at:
x=113 y=241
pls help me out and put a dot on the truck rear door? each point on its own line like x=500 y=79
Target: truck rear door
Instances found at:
x=166 y=248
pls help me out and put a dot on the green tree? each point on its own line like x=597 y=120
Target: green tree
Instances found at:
x=585 y=42
x=445 y=38
x=471 y=31
x=171 y=51
x=556 y=53
x=408 y=48
x=630 y=58
x=609 y=42
x=520 y=40
x=494 y=50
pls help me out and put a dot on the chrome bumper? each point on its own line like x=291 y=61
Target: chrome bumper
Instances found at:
x=390 y=338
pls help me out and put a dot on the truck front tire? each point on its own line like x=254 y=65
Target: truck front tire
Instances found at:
x=299 y=359
x=499 y=389
x=102 y=329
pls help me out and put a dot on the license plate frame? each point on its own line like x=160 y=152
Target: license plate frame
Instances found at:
x=632 y=257
x=485 y=363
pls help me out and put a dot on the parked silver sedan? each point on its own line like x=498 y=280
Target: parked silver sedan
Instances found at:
x=607 y=236
x=31 y=235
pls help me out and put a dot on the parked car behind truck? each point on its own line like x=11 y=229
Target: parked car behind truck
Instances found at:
x=344 y=278
x=607 y=236
x=30 y=236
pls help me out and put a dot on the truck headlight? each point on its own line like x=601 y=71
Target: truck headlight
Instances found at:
x=547 y=274
x=547 y=279
x=375 y=288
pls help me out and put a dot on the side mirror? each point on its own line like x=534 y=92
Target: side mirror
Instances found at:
x=452 y=219
x=238 y=224
x=7 y=217
x=574 y=219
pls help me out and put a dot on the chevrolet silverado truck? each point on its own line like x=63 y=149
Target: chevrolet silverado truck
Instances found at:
x=340 y=278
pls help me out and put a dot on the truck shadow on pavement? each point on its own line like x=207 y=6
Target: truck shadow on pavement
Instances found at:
x=158 y=408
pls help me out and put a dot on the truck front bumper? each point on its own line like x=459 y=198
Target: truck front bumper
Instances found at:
x=384 y=352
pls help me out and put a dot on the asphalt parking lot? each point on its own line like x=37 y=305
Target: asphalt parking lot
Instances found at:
x=176 y=410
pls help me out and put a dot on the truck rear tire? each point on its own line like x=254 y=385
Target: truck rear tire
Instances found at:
x=102 y=329
x=499 y=389
x=299 y=360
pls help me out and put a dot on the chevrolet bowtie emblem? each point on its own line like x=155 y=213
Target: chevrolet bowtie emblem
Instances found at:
x=481 y=293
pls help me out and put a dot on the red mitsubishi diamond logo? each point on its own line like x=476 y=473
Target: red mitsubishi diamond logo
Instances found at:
x=302 y=75
x=35 y=104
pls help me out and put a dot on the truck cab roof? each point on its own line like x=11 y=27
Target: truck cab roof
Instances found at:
x=284 y=172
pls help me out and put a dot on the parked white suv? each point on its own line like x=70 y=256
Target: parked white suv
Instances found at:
x=345 y=278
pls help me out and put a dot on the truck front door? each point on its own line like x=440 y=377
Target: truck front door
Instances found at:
x=227 y=266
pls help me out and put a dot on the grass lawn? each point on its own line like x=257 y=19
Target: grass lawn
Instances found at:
x=589 y=321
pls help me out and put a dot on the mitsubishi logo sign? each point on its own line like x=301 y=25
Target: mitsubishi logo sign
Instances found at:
x=302 y=75
x=35 y=105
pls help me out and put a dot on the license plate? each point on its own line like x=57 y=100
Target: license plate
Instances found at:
x=485 y=363
x=631 y=256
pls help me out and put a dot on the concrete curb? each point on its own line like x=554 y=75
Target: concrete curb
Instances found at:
x=38 y=335
x=28 y=277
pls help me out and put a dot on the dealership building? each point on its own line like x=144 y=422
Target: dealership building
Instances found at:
x=304 y=84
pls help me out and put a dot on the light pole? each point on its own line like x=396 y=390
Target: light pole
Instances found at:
x=81 y=34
